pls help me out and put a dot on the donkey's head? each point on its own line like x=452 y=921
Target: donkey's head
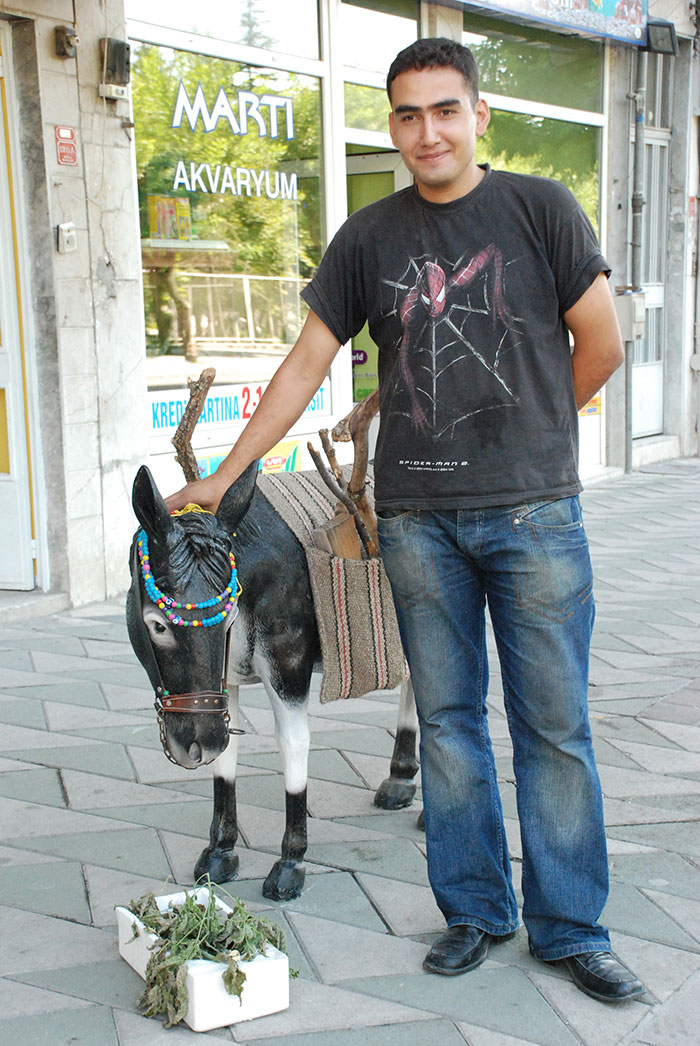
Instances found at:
x=179 y=609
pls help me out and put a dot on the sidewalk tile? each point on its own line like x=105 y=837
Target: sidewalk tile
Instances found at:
x=34 y=786
x=500 y=998
x=56 y=888
x=321 y=1007
x=30 y=942
x=675 y=1021
x=583 y=1014
x=133 y=849
x=395 y=858
x=339 y=952
x=439 y=1032
x=82 y=1025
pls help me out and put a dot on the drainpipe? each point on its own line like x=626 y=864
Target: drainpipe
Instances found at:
x=638 y=201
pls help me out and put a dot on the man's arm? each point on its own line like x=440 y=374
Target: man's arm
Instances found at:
x=293 y=386
x=598 y=350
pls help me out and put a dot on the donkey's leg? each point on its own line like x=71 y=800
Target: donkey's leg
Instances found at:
x=398 y=790
x=219 y=860
x=286 y=878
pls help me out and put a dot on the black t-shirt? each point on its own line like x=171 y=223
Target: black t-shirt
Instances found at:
x=465 y=301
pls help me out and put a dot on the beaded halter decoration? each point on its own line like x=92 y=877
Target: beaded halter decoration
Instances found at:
x=221 y=605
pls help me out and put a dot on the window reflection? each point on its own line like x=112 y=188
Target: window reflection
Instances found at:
x=541 y=66
x=229 y=182
x=549 y=148
x=291 y=28
x=374 y=31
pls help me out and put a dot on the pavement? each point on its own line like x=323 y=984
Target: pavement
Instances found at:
x=93 y=815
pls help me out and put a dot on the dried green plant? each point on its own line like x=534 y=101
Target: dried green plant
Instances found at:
x=196 y=930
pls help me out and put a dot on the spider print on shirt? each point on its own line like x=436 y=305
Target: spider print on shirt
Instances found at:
x=435 y=315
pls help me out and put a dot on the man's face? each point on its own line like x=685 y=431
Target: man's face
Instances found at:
x=434 y=126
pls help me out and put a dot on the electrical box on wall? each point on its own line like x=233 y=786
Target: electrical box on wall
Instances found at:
x=115 y=58
x=631 y=314
x=66 y=238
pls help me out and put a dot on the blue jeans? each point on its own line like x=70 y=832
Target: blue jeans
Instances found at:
x=530 y=563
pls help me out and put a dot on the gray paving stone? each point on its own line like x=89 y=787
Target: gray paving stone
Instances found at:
x=55 y=888
x=334 y=896
x=683 y=837
x=372 y=741
x=78 y=692
x=442 y=1033
x=133 y=849
x=628 y=909
x=658 y=870
x=35 y=786
x=497 y=998
x=20 y=711
x=191 y=817
x=676 y=1021
x=324 y=764
x=396 y=858
x=662 y=969
x=583 y=1014
x=340 y=952
x=83 y=1026
x=321 y=1007
x=140 y=1031
x=111 y=982
x=30 y=942
x=408 y=909
x=22 y=1000
x=21 y=819
x=109 y=759
x=96 y=793
x=69 y=718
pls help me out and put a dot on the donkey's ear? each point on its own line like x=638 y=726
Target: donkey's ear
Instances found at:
x=150 y=508
x=236 y=501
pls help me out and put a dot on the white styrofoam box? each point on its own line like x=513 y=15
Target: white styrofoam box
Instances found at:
x=266 y=987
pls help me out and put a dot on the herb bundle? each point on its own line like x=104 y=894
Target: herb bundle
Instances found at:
x=194 y=930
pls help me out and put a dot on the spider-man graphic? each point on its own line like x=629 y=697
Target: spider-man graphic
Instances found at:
x=439 y=299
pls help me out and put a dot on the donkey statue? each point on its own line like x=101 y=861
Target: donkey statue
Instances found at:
x=194 y=641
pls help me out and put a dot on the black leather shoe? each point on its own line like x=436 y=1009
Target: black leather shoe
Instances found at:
x=603 y=976
x=459 y=949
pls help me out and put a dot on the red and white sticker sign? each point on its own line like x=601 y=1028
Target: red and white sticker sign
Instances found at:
x=66 y=147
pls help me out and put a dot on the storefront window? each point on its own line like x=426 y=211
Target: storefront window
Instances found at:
x=366 y=108
x=374 y=31
x=536 y=65
x=229 y=177
x=291 y=28
x=550 y=148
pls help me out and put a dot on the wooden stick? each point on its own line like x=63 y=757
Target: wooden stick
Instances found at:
x=355 y=427
x=182 y=440
x=342 y=496
x=332 y=459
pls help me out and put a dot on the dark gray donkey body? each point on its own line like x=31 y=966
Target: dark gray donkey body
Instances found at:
x=272 y=637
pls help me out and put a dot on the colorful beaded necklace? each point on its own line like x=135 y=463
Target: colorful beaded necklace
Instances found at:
x=170 y=606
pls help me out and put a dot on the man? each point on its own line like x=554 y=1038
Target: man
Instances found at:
x=471 y=281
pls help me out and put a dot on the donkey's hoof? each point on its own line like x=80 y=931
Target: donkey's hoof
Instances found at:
x=394 y=793
x=285 y=881
x=220 y=865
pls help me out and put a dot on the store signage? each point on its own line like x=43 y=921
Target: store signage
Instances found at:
x=619 y=19
x=66 y=147
x=262 y=110
x=225 y=404
x=239 y=181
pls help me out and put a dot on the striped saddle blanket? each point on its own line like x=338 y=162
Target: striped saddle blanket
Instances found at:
x=360 y=642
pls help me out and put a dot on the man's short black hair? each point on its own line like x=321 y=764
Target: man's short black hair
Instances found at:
x=432 y=52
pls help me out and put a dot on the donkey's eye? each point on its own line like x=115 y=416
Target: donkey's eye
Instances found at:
x=159 y=627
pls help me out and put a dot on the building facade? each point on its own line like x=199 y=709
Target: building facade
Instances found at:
x=162 y=204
